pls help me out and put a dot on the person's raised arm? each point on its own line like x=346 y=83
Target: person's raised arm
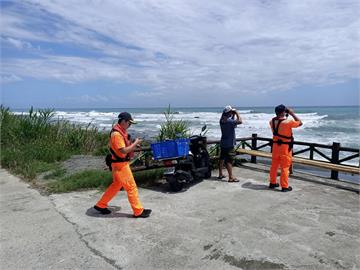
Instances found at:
x=292 y=113
x=238 y=117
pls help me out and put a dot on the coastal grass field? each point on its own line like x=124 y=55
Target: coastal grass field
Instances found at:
x=34 y=143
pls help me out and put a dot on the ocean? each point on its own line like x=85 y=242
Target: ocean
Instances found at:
x=323 y=125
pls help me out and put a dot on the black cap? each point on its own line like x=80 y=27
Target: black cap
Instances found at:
x=127 y=117
x=280 y=109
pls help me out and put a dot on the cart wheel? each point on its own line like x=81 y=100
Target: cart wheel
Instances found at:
x=176 y=186
x=178 y=181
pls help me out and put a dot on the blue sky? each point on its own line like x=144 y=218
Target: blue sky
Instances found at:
x=74 y=54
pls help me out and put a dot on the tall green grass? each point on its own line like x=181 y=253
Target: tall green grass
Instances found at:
x=31 y=142
x=171 y=128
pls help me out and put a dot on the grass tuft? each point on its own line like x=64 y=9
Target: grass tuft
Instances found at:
x=172 y=129
x=56 y=174
x=98 y=179
x=82 y=180
x=29 y=141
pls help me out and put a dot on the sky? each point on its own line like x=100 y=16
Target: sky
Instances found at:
x=111 y=54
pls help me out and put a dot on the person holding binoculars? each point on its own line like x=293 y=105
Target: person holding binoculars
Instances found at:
x=282 y=146
x=229 y=120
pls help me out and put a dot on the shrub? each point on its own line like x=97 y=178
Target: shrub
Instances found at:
x=172 y=129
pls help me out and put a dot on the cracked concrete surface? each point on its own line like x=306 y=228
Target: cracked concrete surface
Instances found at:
x=212 y=225
x=35 y=235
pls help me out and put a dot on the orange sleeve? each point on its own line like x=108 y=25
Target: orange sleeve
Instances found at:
x=117 y=142
x=294 y=124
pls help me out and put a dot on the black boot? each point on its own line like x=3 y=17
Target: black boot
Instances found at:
x=286 y=189
x=103 y=211
x=273 y=185
x=144 y=214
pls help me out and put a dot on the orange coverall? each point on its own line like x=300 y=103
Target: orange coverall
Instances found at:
x=122 y=177
x=281 y=156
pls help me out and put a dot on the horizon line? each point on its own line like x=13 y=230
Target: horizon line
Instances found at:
x=189 y=107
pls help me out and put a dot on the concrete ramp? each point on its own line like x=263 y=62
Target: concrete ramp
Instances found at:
x=212 y=225
x=35 y=235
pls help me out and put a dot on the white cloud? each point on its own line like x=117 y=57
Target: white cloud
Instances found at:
x=17 y=43
x=8 y=78
x=216 y=47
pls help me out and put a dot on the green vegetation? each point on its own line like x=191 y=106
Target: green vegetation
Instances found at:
x=35 y=143
x=148 y=176
x=172 y=129
x=81 y=180
x=57 y=173
x=32 y=143
x=96 y=178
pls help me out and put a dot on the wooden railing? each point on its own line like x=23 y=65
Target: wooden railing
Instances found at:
x=252 y=146
x=253 y=143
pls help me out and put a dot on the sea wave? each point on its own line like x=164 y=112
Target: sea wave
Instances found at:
x=317 y=128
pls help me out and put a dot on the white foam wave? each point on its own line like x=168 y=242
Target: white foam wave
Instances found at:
x=20 y=113
x=317 y=128
x=245 y=111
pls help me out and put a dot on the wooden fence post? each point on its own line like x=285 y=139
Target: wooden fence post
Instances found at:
x=335 y=159
x=311 y=152
x=253 y=146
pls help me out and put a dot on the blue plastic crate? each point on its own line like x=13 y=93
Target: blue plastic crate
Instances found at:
x=164 y=149
x=170 y=148
x=182 y=147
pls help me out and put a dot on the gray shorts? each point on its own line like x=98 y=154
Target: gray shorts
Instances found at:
x=227 y=154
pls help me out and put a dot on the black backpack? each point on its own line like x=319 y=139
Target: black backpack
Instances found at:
x=108 y=161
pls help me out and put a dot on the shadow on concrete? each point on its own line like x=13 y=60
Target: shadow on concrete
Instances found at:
x=165 y=188
x=303 y=176
x=114 y=213
x=250 y=185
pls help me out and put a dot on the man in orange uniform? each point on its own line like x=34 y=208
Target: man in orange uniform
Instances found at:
x=282 y=145
x=122 y=150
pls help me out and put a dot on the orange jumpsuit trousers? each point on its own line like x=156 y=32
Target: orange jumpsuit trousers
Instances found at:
x=122 y=178
x=281 y=156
